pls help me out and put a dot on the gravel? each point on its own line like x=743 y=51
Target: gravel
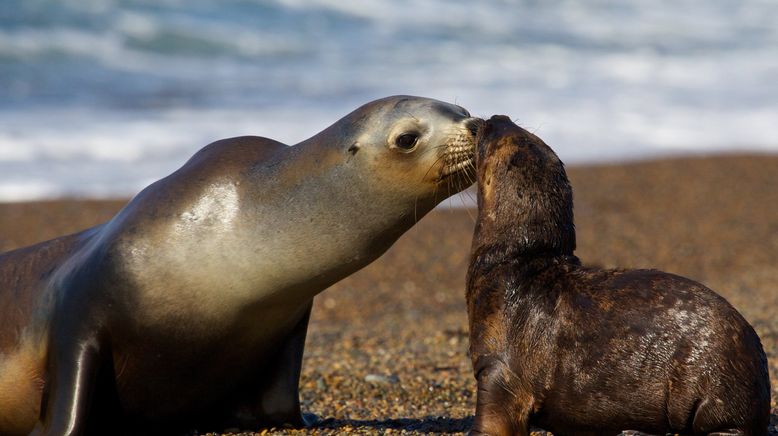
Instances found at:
x=387 y=347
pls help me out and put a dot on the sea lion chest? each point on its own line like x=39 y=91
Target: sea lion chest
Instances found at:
x=215 y=286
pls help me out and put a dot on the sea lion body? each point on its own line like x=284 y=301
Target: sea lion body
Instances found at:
x=189 y=308
x=578 y=350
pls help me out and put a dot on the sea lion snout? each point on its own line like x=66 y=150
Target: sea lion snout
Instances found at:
x=498 y=146
x=502 y=143
x=490 y=131
x=458 y=152
x=496 y=122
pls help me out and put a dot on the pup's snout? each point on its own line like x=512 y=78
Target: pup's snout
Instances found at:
x=500 y=118
x=495 y=126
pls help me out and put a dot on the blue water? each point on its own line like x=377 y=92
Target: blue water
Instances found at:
x=101 y=97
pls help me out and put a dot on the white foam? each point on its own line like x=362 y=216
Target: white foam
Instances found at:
x=598 y=81
x=95 y=154
x=35 y=42
x=88 y=153
x=28 y=190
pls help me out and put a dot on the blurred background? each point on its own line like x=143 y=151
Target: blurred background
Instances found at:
x=98 y=98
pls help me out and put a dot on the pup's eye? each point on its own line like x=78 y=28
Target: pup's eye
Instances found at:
x=406 y=141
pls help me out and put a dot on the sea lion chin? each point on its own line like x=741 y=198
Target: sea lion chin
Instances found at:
x=578 y=350
x=189 y=308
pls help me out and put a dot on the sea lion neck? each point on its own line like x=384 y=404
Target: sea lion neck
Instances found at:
x=522 y=266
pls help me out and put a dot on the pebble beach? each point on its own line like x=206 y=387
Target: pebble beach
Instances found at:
x=386 y=351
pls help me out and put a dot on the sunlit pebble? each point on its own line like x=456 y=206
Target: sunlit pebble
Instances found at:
x=382 y=379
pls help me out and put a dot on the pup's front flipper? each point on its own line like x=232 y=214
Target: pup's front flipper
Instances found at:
x=501 y=408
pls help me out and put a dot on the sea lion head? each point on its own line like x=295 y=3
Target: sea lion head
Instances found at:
x=417 y=148
x=523 y=189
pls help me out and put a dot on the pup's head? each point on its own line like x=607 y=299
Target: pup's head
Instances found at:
x=524 y=195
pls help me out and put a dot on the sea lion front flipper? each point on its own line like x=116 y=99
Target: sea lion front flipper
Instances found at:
x=278 y=402
x=73 y=370
x=501 y=409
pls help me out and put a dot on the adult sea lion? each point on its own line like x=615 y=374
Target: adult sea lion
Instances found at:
x=189 y=308
x=577 y=350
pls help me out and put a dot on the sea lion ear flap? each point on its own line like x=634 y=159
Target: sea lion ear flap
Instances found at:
x=354 y=148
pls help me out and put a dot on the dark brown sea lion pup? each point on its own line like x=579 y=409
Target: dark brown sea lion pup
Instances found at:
x=189 y=308
x=578 y=350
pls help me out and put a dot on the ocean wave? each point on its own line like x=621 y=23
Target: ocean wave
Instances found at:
x=106 y=95
x=97 y=155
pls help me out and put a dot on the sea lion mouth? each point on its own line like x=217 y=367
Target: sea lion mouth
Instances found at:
x=459 y=154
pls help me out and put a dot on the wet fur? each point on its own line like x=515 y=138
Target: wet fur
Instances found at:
x=578 y=350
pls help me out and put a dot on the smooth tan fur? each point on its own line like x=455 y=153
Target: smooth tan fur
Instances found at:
x=189 y=308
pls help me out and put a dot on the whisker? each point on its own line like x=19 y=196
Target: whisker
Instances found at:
x=415 y=210
x=448 y=188
x=465 y=206
x=432 y=166
x=469 y=173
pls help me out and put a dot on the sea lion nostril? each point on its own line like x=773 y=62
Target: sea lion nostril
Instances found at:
x=464 y=111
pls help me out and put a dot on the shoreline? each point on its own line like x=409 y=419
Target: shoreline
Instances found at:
x=13 y=193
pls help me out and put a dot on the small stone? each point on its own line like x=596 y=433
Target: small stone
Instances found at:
x=378 y=379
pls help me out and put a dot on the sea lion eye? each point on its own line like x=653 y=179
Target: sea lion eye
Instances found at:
x=406 y=141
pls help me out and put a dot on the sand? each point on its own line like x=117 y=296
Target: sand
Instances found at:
x=387 y=347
